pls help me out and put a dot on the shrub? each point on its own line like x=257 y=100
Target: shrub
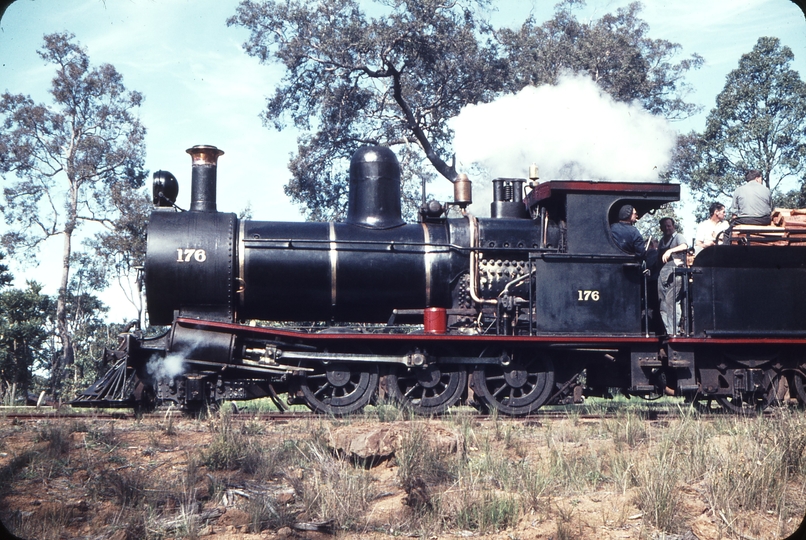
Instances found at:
x=417 y=459
x=58 y=439
x=230 y=449
x=487 y=511
x=333 y=489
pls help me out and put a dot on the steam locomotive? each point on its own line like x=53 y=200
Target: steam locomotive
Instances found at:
x=534 y=305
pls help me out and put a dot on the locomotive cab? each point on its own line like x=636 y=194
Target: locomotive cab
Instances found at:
x=588 y=285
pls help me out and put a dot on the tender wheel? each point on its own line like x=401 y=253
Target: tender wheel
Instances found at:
x=427 y=391
x=797 y=385
x=744 y=406
x=755 y=402
x=516 y=389
x=339 y=390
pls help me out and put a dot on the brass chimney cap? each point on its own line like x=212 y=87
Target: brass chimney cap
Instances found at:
x=204 y=154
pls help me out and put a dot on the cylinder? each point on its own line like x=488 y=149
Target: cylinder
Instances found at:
x=435 y=320
x=203 y=177
x=194 y=344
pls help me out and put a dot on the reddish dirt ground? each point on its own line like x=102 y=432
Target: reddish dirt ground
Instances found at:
x=153 y=478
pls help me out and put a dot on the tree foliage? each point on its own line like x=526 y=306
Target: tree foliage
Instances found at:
x=353 y=80
x=24 y=314
x=91 y=335
x=119 y=251
x=615 y=51
x=397 y=77
x=6 y=278
x=759 y=122
x=68 y=159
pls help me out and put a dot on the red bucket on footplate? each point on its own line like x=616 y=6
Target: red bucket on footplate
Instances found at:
x=435 y=320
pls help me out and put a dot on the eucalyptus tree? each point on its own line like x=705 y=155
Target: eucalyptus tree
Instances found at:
x=397 y=77
x=62 y=161
x=351 y=79
x=118 y=251
x=759 y=122
x=615 y=50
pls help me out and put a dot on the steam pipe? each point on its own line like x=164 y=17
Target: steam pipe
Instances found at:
x=515 y=282
x=203 y=177
x=474 y=261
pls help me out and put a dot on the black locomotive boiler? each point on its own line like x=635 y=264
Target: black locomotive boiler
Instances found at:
x=534 y=305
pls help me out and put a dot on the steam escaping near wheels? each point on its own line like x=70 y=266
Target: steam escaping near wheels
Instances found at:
x=169 y=367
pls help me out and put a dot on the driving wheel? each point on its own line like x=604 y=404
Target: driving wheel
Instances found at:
x=797 y=384
x=339 y=390
x=428 y=390
x=516 y=389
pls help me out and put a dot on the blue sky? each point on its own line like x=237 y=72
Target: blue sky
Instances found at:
x=201 y=88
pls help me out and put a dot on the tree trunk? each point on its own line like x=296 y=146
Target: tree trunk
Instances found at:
x=62 y=328
x=448 y=171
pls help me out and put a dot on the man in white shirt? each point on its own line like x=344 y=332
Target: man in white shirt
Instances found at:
x=708 y=231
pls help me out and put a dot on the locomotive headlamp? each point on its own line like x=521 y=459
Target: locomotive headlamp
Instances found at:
x=164 y=188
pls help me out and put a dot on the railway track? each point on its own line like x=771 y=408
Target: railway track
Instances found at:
x=659 y=413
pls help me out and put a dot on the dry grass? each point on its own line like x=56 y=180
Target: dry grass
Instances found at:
x=620 y=476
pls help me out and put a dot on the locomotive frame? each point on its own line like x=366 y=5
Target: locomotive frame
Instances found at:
x=535 y=305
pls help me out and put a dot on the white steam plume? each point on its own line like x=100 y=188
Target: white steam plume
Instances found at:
x=169 y=367
x=173 y=364
x=572 y=130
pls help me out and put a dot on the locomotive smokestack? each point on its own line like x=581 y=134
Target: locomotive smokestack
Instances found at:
x=203 y=177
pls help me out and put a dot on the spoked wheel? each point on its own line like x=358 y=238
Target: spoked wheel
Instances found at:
x=749 y=403
x=429 y=390
x=516 y=389
x=339 y=390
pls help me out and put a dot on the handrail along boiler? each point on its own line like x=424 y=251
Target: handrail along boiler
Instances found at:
x=534 y=305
